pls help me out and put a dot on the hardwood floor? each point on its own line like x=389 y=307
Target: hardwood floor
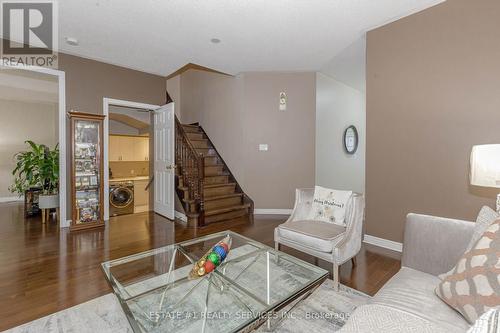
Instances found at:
x=44 y=269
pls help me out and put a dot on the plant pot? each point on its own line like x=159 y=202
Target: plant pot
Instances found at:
x=48 y=201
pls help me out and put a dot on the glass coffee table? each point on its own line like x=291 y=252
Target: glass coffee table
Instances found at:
x=255 y=285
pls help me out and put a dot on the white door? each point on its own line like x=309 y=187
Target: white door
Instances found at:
x=164 y=164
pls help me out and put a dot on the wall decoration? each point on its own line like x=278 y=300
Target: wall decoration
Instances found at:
x=351 y=140
x=282 y=101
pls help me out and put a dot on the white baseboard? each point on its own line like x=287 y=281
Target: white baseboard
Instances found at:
x=385 y=243
x=181 y=216
x=11 y=199
x=261 y=211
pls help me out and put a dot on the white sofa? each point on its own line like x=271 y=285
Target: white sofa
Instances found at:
x=407 y=302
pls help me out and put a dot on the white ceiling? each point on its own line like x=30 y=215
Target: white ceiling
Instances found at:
x=160 y=36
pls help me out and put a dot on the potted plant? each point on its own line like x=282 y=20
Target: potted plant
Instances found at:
x=38 y=167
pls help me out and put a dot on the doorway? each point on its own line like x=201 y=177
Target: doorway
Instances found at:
x=138 y=138
x=33 y=108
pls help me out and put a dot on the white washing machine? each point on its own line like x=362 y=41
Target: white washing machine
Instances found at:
x=121 y=198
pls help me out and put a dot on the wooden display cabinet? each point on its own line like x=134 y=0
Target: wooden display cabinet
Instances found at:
x=87 y=170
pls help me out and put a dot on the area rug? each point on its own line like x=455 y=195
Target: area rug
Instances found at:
x=325 y=310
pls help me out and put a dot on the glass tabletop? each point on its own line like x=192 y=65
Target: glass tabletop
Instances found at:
x=254 y=279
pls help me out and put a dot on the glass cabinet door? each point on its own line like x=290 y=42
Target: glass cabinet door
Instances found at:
x=87 y=162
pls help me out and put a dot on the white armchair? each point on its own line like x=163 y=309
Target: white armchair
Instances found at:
x=331 y=242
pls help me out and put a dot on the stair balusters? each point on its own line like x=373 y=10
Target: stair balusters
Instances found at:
x=191 y=171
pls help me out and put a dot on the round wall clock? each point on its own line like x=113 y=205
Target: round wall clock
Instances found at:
x=351 y=140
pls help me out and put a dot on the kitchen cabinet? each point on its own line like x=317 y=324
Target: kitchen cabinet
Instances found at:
x=114 y=148
x=128 y=148
x=141 y=149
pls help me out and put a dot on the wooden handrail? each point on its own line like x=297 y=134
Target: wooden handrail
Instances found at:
x=192 y=170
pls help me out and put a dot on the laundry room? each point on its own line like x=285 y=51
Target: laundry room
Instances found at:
x=129 y=160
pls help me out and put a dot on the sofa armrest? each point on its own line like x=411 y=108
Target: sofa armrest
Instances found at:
x=434 y=244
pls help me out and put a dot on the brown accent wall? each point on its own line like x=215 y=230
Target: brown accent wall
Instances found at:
x=241 y=112
x=433 y=91
x=89 y=81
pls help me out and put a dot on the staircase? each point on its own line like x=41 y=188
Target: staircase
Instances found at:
x=205 y=185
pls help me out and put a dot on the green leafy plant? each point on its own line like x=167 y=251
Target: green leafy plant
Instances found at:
x=37 y=167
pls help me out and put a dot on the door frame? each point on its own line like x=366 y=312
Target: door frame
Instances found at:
x=105 y=107
x=61 y=75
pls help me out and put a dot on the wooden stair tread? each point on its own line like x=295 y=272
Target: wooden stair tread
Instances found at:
x=216 y=197
x=206 y=152
x=226 y=209
x=221 y=175
x=209 y=166
x=224 y=196
x=219 y=185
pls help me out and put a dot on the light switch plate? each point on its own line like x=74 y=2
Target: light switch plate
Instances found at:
x=263 y=147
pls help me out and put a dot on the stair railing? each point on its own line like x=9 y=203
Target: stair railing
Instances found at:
x=246 y=198
x=192 y=172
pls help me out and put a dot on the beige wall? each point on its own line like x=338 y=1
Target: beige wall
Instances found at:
x=433 y=91
x=174 y=90
x=23 y=121
x=129 y=168
x=241 y=112
x=89 y=81
x=116 y=127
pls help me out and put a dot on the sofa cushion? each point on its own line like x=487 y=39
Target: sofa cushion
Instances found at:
x=329 y=205
x=484 y=219
x=413 y=291
x=474 y=286
x=489 y=322
x=375 y=318
x=317 y=235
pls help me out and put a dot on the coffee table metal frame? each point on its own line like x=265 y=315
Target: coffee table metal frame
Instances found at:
x=273 y=313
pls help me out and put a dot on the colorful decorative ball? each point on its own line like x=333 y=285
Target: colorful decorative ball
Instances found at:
x=201 y=262
x=214 y=258
x=225 y=246
x=201 y=271
x=220 y=251
x=209 y=266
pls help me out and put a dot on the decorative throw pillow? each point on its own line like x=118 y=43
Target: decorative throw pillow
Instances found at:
x=329 y=205
x=474 y=285
x=489 y=322
x=485 y=217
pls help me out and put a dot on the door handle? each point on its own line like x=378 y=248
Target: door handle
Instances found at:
x=170 y=167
